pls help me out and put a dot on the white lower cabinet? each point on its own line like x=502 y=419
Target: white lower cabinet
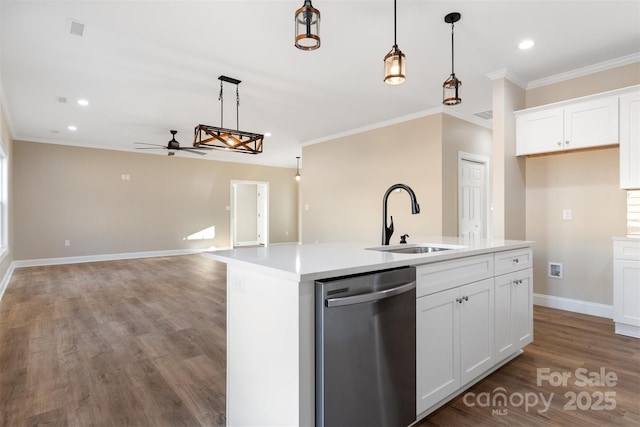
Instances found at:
x=454 y=330
x=513 y=312
x=472 y=314
x=626 y=286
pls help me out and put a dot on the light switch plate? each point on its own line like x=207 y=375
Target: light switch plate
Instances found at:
x=567 y=215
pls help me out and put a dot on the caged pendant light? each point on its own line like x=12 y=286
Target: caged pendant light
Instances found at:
x=394 y=61
x=451 y=87
x=221 y=138
x=307 y=21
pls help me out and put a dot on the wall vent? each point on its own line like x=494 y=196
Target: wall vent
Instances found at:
x=61 y=99
x=76 y=28
x=486 y=115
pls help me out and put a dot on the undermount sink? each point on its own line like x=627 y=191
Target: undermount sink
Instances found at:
x=416 y=248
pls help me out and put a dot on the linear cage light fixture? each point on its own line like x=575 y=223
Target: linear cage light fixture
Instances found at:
x=222 y=138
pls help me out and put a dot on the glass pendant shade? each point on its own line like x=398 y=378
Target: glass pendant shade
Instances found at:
x=450 y=91
x=307 y=27
x=394 y=67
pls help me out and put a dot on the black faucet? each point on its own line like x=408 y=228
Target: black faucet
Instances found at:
x=415 y=208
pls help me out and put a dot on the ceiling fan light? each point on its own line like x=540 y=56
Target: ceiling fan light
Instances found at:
x=307 y=22
x=450 y=91
x=394 y=67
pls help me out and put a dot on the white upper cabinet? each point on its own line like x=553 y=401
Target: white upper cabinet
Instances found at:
x=630 y=140
x=540 y=132
x=571 y=126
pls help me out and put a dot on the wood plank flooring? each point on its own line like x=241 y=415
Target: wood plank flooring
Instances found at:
x=142 y=343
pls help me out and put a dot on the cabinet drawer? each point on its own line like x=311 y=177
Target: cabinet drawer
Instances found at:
x=443 y=275
x=626 y=249
x=509 y=261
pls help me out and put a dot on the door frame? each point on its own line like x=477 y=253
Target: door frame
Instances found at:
x=263 y=206
x=484 y=160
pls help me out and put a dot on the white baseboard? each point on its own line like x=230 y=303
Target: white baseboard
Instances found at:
x=628 y=330
x=574 y=305
x=106 y=257
x=6 y=279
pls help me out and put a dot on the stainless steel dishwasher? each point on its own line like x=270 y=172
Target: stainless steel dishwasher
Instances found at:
x=366 y=349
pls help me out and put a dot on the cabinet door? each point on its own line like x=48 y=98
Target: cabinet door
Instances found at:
x=522 y=308
x=626 y=291
x=476 y=329
x=630 y=140
x=504 y=327
x=437 y=348
x=591 y=123
x=539 y=132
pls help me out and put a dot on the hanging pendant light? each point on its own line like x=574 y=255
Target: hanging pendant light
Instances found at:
x=297 y=168
x=394 y=61
x=307 y=27
x=221 y=138
x=451 y=87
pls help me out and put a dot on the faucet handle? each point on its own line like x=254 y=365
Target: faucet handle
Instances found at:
x=403 y=238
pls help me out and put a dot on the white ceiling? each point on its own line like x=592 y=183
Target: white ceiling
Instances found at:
x=150 y=66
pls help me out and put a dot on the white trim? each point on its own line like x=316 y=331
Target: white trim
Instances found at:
x=503 y=73
x=628 y=330
x=6 y=279
x=574 y=305
x=584 y=71
x=105 y=257
x=425 y=113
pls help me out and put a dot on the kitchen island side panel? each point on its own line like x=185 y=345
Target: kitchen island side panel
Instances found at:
x=270 y=360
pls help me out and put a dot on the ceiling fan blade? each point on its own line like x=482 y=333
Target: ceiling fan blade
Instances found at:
x=191 y=150
x=160 y=147
x=146 y=143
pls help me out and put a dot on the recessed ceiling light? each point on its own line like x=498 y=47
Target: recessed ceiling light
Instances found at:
x=72 y=128
x=83 y=102
x=526 y=44
x=267 y=134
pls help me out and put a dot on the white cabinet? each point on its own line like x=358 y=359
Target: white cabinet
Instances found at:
x=630 y=140
x=626 y=286
x=513 y=301
x=513 y=312
x=454 y=331
x=568 y=127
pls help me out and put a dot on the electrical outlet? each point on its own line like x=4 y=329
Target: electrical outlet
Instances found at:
x=67 y=242
x=567 y=215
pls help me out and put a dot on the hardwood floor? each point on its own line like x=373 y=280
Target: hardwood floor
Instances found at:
x=142 y=343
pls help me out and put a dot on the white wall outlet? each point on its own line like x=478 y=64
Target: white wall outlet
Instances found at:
x=67 y=242
x=567 y=214
x=125 y=177
x=555 y=270
x=306 y=207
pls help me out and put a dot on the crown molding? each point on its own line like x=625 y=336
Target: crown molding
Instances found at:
x=503 y=73
x=584 y=71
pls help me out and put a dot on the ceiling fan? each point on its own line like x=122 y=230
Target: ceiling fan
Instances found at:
x=172 y=146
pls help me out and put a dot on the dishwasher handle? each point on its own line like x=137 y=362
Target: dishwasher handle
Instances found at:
x=370 y=297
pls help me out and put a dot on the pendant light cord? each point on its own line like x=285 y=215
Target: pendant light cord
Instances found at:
x=452 y=51
x=221 y=99
x=395 y=26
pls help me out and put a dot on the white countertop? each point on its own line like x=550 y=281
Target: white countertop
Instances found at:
x=301 y=262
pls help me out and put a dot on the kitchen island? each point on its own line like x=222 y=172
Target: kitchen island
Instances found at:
x=270 y=317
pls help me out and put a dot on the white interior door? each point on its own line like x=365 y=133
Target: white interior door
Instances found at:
x=472 y=196
x=249 y=213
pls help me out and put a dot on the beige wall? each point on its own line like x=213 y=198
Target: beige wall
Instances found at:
x=7 y=145
x=586 y=182
x=77 y=194
x=344 y=180
x=603 y=81
x=509 y=216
